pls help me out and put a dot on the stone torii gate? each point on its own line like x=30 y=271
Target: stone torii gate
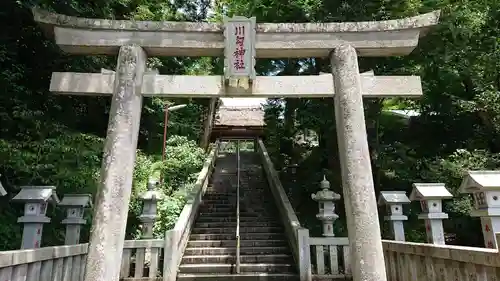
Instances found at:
x=240 y=40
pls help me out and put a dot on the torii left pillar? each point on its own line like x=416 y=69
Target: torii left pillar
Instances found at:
x=111 y=209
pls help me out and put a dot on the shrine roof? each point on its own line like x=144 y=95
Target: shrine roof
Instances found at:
x=78 y=200
x=240 y=116
x=391 y=197
x=476 y=181
x=426 y=191
x=37 y=194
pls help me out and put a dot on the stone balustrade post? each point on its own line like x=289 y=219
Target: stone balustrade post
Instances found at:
x=325 y=198
x=35 y=199
x=305 y=271
x=394 y=201
x=485 y=188
x=430 y=196
x=75 y=204
x=149 y=210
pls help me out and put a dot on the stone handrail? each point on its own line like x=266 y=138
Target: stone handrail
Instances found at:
x=176 y=239
x=430 y=262
x=63 y=263
x=287 y=214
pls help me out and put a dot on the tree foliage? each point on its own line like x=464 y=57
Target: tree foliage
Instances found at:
x=47 y=139
x=456 y=131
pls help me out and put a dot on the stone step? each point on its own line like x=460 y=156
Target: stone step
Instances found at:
x=231 y=209
x=232 y=243
x=239 y=277
x=243 y=236
x=244 y=185
x=273 y=258
x=232 y=203
x=255 y=229
x=229 y=268
x=220 y=194
x=232 y=250
x=220 y=198
x=255 y=204
x=220 y=190
x=217 y=204
x=262 y=199
x=232 y=193
x=233 y=224
x=210 y=202
x=209 y=218
x=231 y=214
x=245 y=214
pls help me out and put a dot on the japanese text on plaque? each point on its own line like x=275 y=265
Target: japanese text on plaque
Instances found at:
x=239 y=53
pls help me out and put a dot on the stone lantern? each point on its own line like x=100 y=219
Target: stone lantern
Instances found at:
x=394 y=201
x=485 y=188
x=75 y=204
x=430 y=196
x=325 y=198
x=35 y=199
x=2 y=190
x=148 y=216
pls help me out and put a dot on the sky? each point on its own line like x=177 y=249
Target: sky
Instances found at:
x=243 y=101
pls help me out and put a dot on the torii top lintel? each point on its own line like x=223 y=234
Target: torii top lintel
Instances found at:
x=273 y=40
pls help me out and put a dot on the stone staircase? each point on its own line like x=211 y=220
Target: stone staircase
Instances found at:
x=211 y=250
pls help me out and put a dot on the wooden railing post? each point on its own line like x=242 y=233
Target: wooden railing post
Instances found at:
x=304 y=254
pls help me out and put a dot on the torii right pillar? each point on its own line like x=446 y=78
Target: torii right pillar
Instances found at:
x=367 y=256
x=357 y=181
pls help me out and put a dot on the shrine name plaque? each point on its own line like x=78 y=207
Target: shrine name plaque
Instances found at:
x=239 y=49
